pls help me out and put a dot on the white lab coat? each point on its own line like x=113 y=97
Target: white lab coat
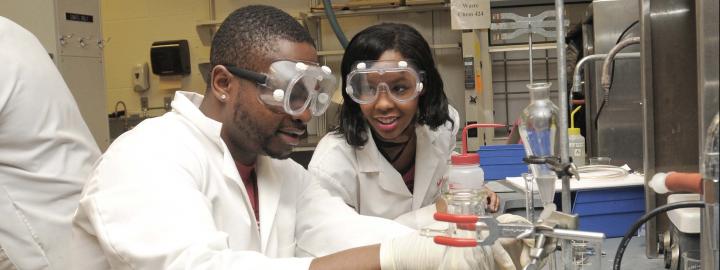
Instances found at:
x=46 y=153
x=366 y=181
x=167 y=195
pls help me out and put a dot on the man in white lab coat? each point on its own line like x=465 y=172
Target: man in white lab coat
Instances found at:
x=46 y=153
x=208 y=185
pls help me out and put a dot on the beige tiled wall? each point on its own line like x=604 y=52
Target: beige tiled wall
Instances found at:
x=132 y=26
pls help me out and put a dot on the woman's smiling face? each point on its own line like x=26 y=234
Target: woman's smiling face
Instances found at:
x=387 y=117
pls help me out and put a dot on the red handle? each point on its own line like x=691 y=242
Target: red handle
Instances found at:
x=465 y=130
x=455 y=242
x=455 y=218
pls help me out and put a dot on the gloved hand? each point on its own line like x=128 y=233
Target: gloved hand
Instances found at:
x=511 y=254
x=410 y=252
x=657 y=183
x=419 y=252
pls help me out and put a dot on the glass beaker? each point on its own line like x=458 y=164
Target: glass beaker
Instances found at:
x=691 y=260
x=529 y=197
x=465 y=202
x=465 y=194
x=586 y=255
x=600 y=161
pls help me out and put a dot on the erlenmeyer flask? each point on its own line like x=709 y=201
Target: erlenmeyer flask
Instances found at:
x=537 y=130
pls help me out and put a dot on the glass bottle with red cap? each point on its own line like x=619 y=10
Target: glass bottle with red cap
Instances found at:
x=465 y=194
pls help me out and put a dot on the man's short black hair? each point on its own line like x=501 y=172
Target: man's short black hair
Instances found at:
x=370 y=44
x=249 y=34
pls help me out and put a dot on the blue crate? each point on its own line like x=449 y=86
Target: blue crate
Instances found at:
x=501 y=161
x=611 y=211
x=502 y=171
x=501 y=150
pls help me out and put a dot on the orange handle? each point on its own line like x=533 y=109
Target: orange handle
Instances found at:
x=455 y=242
x=455 y=218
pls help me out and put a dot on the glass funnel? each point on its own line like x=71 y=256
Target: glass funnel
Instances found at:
x=537 y=130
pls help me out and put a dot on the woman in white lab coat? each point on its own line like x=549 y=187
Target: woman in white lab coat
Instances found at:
x=390 y=152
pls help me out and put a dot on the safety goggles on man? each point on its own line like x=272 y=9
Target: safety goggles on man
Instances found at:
x=400 y=79
x=293 y=86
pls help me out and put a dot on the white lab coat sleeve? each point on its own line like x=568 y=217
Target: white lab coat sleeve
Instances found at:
x=419 y=218
x=331 y=166
x=454 y=129
x=147 y=212
x=325 y=224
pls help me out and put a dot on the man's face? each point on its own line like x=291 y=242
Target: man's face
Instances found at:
x=254 y=128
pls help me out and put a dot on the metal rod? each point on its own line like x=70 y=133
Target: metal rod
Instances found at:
x=507 y=97
x=519 y=60
x=547 y=65
x=530 y=49
x=563 y=123
x=519 y=93
x=575 y=235
x=591 y=58
x=563 y=100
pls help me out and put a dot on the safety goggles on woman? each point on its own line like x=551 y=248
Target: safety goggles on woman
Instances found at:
x=292 y=86
x=400 y=79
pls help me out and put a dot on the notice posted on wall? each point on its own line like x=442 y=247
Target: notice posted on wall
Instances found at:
x=469 y=14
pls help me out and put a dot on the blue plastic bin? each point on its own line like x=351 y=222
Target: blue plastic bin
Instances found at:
x=611 y=211
x=501 y=161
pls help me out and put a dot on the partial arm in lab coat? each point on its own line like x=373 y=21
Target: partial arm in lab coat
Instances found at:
x=325 y=224
x=147 y=212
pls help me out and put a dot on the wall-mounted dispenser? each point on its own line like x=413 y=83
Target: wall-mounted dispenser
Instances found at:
x=140 y=77
x=170 y=57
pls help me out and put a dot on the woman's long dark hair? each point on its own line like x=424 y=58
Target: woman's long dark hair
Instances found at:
x=370 y=44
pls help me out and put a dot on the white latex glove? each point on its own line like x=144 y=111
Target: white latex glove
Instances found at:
x=410 y=252
x=657 y=183
x=419 y=252
x=508 y=253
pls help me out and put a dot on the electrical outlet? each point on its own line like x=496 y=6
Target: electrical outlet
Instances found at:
x=144 y=104
x=166 y=103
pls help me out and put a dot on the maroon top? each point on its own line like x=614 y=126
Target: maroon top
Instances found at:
x=247 y=173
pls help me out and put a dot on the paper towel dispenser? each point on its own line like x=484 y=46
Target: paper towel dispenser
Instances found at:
x=170 y=57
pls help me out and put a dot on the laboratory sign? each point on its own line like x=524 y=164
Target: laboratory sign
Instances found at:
x=469 y=14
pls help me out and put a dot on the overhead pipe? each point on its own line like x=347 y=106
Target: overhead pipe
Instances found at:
x=591 y=58
x=332 y=19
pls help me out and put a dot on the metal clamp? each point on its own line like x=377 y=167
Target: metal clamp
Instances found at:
x=486 y=226
x=561 y=169
x=525 y=25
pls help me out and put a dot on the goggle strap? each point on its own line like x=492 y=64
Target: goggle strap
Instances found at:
x=247 y=74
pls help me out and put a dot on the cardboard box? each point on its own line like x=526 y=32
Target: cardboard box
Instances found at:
x=364 y=4
x=424 y=2
x=318 y=6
